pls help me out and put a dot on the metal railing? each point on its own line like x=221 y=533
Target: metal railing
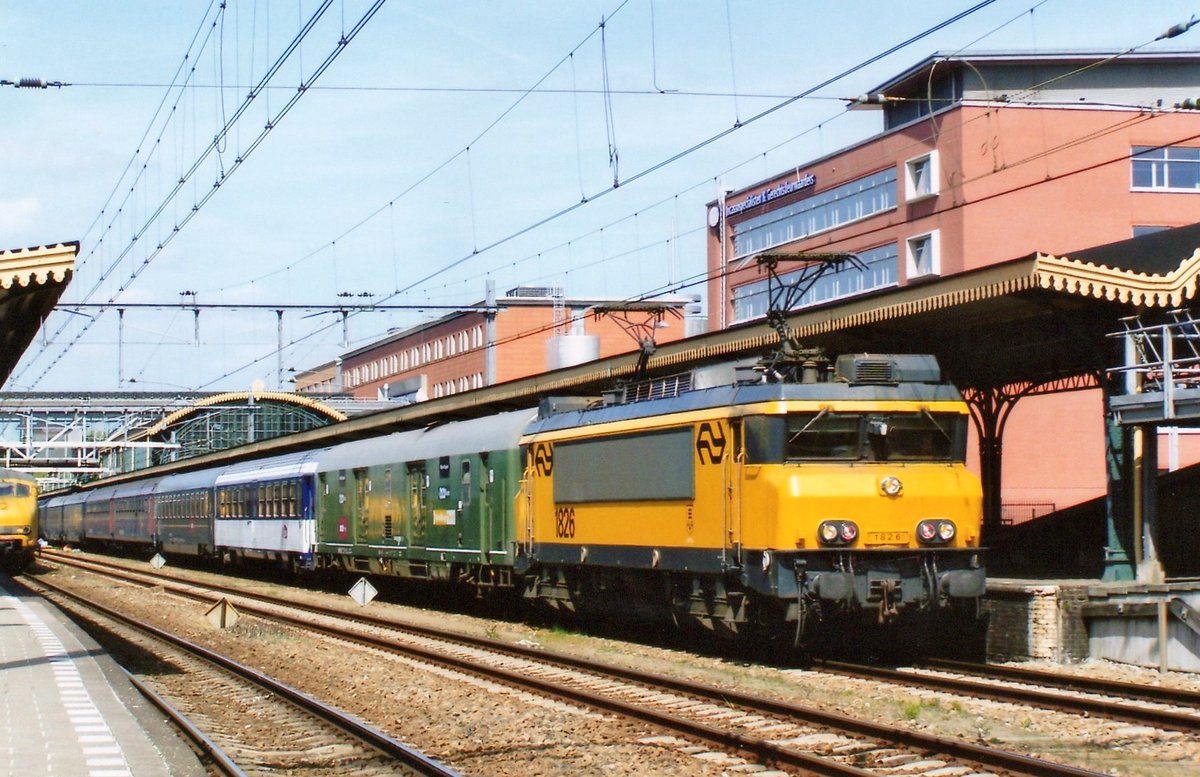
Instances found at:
x=1160 y=359
x=1012 y=513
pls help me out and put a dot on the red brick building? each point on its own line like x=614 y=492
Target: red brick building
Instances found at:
x=526 y=332
x=984 y=159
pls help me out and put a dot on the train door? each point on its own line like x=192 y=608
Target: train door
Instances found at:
x=732 y=476
x=388 y=505
x=362 y=517
x=472 y=514
x=308 y=509
x=152 y=519
x=491 y=510
x=418 y=504
x=523 y=504
x=335 y=508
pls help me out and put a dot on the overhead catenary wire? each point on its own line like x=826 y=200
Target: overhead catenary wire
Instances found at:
x=242 y=156
x=665 y=162
x=390 y=210
x=169 y=199
x=680 y=155
x=703 y=278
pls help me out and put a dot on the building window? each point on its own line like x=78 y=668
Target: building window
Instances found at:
x=1139 y=230
x=829 y=209
x=751 y=300
x=921 y=177
x=922 y=257
x=477 y=333
x=1174 y=167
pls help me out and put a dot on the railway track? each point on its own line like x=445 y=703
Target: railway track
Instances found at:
x=770 y=732
x=1178 y=697
x=258 y=725
x=1172 y=710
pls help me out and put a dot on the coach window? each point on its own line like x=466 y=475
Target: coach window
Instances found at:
x=465 y=493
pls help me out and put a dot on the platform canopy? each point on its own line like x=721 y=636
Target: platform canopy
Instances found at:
x=1033 y=319
x=31 y=281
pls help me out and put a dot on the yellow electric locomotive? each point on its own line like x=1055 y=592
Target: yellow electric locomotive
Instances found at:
x=827 y=507
x=18 y=520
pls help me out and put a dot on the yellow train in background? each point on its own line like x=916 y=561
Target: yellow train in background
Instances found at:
x=18 y=520
x=820 y=510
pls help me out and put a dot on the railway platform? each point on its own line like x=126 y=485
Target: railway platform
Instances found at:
x=1067 y=621
x=67 y=709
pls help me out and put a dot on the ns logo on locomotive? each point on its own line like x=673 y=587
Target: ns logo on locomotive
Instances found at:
x=765 y=509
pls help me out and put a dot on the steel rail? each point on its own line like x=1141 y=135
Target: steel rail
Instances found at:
x=220 y=758
x=1151 y=693
x=1114 y=710
x=1014 y=763
x=414 y=759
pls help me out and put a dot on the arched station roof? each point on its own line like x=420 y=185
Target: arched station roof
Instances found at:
x=242 y=399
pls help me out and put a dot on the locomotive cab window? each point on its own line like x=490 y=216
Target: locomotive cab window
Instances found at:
x=920 y=436
x=917 y=437
x=823 y=435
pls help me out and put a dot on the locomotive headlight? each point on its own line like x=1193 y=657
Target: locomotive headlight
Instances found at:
x=837 y=532
x=935 y=532
x=891 y=485
x=926 y=531
x=26 y=530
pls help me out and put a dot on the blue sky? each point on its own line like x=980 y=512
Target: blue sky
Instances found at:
x=418 y=162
